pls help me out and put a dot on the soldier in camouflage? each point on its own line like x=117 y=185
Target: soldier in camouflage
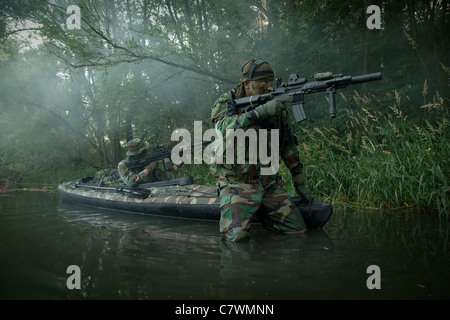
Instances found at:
x=137 y=148
x=245 y=193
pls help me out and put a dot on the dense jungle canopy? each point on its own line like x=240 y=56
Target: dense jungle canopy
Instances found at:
x=70 y=98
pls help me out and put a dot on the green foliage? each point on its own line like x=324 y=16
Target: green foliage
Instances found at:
x=200 y=173
x=381 y=159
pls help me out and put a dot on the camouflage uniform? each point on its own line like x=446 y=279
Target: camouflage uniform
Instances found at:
x=155 y=171
x=244 y=192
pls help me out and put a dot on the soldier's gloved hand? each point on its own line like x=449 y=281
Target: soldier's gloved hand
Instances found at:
x=304 y=195
x=273 y=107
x=152 y=166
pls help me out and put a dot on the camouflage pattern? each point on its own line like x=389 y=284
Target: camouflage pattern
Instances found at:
x=256 y=70
x=193 y=195
x=264 y=199
x=247 y=120
x=136 y=146
x=241 y=199
x=200 y=202
x=105 y=177
x=157 y=170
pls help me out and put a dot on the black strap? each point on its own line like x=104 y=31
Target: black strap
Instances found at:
x=231 y=106
x=250 y=73
x=261 y=73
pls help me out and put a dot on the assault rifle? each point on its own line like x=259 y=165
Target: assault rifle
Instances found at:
x=159 y=153
x=296 y=88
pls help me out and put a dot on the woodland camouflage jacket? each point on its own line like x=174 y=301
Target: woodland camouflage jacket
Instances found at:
x=245 y=121
x=156 y=169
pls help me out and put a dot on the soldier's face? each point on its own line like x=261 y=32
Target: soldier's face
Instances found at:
x=142 y=154
x=260 y=86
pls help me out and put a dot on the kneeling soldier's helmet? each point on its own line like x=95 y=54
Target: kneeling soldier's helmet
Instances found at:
x=136 y=146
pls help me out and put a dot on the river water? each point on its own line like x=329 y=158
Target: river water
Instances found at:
x=131 y=256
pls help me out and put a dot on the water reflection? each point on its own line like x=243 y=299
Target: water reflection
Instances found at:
x=187 y=259
x=144 y=254
x=131 y=256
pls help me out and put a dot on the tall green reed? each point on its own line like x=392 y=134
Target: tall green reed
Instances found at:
x=381 y=159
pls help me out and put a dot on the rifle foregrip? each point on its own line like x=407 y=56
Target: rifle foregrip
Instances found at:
x=332 y=106
x=332 y=99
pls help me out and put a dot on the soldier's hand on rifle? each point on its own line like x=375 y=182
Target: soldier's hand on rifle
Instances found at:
x=149 y=168
x=273 y=107
x=302 y=190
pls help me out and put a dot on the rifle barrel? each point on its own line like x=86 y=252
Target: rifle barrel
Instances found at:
x=366 y=78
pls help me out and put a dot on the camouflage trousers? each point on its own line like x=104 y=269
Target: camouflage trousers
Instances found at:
x=264 y=199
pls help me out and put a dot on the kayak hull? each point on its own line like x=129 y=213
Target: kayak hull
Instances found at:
x=193 y=202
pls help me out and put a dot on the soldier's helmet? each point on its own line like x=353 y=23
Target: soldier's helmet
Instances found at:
x=136 y=146
x=256 y=70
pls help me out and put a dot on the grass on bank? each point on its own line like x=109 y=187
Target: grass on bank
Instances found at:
x=381 y=159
